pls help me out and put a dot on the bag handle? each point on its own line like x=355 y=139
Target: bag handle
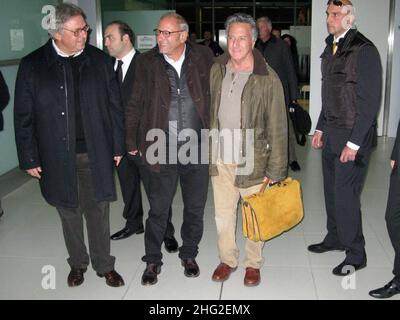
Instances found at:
x=268 y=183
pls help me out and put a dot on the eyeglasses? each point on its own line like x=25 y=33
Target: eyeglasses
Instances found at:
x=77 y=32
x=165 y=33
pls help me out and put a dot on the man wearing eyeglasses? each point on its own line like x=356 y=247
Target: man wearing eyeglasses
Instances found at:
x=346 y=131
x=69 y=133
x=171 y=96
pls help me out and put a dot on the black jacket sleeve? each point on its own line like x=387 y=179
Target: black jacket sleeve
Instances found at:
x=368 y=93
x=24 y=117
x=4 y=93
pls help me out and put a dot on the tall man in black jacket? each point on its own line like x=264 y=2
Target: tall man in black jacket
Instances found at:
x=346 y=129
x=69 y=133
x=120 y=40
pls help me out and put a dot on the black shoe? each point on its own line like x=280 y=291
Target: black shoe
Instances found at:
x=75 y=277
x=191 y=268
x=387 y=291
x=321 y=248
x=346 y=268
x=171 y=245
x=125 y=233
x=294 y=165
x=113 y=278
x=149 y=276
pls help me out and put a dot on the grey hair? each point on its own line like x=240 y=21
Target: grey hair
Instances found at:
x=64 y=12
x=181 y=20
x=264 y=19
x=242 y=18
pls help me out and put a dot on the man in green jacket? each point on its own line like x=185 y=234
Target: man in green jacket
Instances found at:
x=248 y=110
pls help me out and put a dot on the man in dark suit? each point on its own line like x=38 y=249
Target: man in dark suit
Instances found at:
x=4 y=99
x=393 y=223
x=277 y=54
x=346 y=129
x=120 y=40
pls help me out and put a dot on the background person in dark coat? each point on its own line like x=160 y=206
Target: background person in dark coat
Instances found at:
x=346 y=130
x=120 y=40
x=393 y=223
x=213 y=45
x=69 y=131
x=4 y=99
x=292 y=42
x=277 y=54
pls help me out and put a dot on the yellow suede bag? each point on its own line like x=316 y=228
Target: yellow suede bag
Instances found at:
x=272 y=211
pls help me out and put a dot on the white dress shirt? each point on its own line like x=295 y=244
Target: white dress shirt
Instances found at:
x=178 y=63
x=62 y=53
x=127 y=59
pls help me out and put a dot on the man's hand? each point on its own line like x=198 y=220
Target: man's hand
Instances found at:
x=348 y=154
x=392 y=163
x=117 y=160
x=268 y=180
x=133 y=152
x=316 y=141
x=35 y=172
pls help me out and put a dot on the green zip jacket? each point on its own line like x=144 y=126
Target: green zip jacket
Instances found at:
x=263 y=110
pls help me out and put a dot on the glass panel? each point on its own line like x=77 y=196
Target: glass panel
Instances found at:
x=21 y=29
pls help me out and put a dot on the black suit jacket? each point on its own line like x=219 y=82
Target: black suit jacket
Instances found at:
x=127 y=84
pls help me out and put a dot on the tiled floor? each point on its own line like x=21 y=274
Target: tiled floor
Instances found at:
x=31 y=238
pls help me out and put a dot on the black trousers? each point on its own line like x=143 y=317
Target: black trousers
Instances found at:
x=393 y=218
x=97 y=222
x=343 y=183
x=129 y=179
x=144 y=174
x=162 y=187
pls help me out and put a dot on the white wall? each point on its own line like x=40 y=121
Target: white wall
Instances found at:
x=372 y=20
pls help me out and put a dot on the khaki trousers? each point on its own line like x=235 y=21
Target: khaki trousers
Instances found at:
x=226 y=197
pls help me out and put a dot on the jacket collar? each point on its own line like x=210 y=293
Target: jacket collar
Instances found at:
x=52 y=56
x=156 y=51
x=345 y=42
x=260 y=66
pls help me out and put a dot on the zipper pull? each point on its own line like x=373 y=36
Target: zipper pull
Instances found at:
x=179 y=91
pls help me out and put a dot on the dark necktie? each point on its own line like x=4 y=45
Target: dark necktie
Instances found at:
x=118 y=72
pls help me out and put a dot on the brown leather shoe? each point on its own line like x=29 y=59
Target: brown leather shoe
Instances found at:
x=222 y=272
x=113 y=279
x=75 y=277
x=252 y=277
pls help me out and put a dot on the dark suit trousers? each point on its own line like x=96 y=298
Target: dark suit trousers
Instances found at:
x=393 y=218
x=343 y=184
x=129 y=179
x=145 y=176
x=162 y=186
x=97 y=223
